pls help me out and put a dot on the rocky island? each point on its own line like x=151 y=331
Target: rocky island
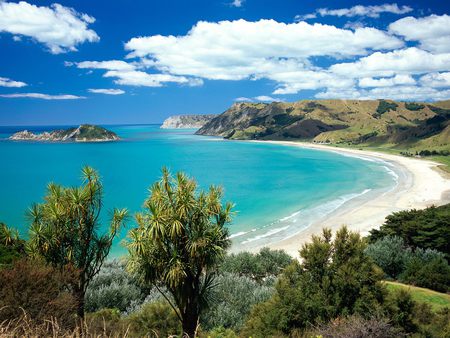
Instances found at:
x=186 y=121
x=82 y=133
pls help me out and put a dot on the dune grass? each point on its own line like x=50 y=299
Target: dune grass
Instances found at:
x=436 y=300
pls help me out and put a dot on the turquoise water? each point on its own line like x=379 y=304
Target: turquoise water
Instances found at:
x=277 y=189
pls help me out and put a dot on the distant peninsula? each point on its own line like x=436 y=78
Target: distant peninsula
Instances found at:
x=412 y=126
x=82 y=133
x=187 y=121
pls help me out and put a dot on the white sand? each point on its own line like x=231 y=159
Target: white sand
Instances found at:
x=420 y=184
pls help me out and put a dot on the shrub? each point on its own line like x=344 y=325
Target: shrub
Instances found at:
x=391 y=254
x=37 y=290
x=399 y=307
x=385 y=106
x=335 y=278
x=112 y=287
x=154 y=320
x=267 y=263
x=233 y=297
x=427 y=229
x=427 y=268
x=414 y=106
x=357 y=327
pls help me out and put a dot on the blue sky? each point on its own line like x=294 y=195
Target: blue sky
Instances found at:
x=113 y=62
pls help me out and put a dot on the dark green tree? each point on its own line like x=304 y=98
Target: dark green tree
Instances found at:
x=335 y=278
x=180 y=239
x=12 y=247
x=64 y=231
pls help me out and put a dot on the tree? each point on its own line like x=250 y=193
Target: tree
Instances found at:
x=12 y=247
x=180 y=239
x=64 y=231
x=335 y=278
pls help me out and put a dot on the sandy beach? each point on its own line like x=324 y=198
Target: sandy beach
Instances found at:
x=420 y=184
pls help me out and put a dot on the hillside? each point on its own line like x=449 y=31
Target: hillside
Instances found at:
x=83 y=133
x=404 y=125
x=186 y=121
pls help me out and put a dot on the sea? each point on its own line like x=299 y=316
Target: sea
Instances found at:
x=277 y=190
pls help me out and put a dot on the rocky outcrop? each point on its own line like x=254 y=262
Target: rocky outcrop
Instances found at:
x=186 y=121
x=83 y=133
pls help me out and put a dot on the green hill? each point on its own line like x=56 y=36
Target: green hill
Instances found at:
x=403 y=125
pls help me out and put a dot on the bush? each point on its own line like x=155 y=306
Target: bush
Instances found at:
x=426 y=229
x=37 y=290
x=357 y=327
x=391 y=254
x=335 y=278
x=112 y=287
x=233 y=298
x=154 y=320
x=261 y=266
x=385 y=106
x=429 y=269
x=414 y=106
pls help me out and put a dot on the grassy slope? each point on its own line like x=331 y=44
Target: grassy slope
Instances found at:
x=436 y=299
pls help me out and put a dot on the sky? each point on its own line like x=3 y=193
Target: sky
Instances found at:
x=140 y=61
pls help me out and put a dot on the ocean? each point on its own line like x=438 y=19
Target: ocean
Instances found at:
x=277 y=190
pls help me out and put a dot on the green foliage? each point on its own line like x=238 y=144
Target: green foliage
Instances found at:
x=414 y=106
x=179 y=242
x=384 y=106
x=335 y=278
x=154 y=320
x=427 y=229
x=113 y=287
x=12 y=247
x=37 y=290
x=260 y=266
x=219 y=332
x=429 y=269
x=400 y=309
x=64 y=230
x=233 y=297
x=391 y=254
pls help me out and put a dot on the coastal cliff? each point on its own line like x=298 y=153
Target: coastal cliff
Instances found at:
x=186 y=121
x=83 y=133
x=376 y=122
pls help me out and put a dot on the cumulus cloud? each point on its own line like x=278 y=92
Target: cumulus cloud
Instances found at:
x=367 y=11
x=130 y=74
x=107 y=91
x=60 y=28
x=42 y=96
x=5 y=82
x=436 y=80
x=265 y=98
x=235 y=50
x=410 y=93
x=404 y=61
x=432 y=32
x=396 y=80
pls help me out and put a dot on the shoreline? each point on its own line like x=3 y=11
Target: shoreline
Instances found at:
x=421 y=183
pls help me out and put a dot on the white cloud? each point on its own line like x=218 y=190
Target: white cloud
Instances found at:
x=59 y=28
x=243 y=99
x=410 y=93
x=42 y=96
x=433 y=32
x=118 y=65
x=265 y=98
x=436 y=80
x=237 y=3
x=107 y=91
x=5 y=82
x=368 y=11
x=405 y=61
x=396 y=80
x=235 y=50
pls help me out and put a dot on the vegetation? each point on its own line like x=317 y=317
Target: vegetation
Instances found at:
x=335 y=278
x=426 y=229
x=64 y=231
x=385 y=106
x=179 y=242
x=414 y=106
x=12 y=247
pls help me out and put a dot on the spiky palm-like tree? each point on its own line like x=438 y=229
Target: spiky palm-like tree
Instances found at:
x=64 y=230
x=180 y=239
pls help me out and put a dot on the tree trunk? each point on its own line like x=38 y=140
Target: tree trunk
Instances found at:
x=190 y=320
x=79 y=296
